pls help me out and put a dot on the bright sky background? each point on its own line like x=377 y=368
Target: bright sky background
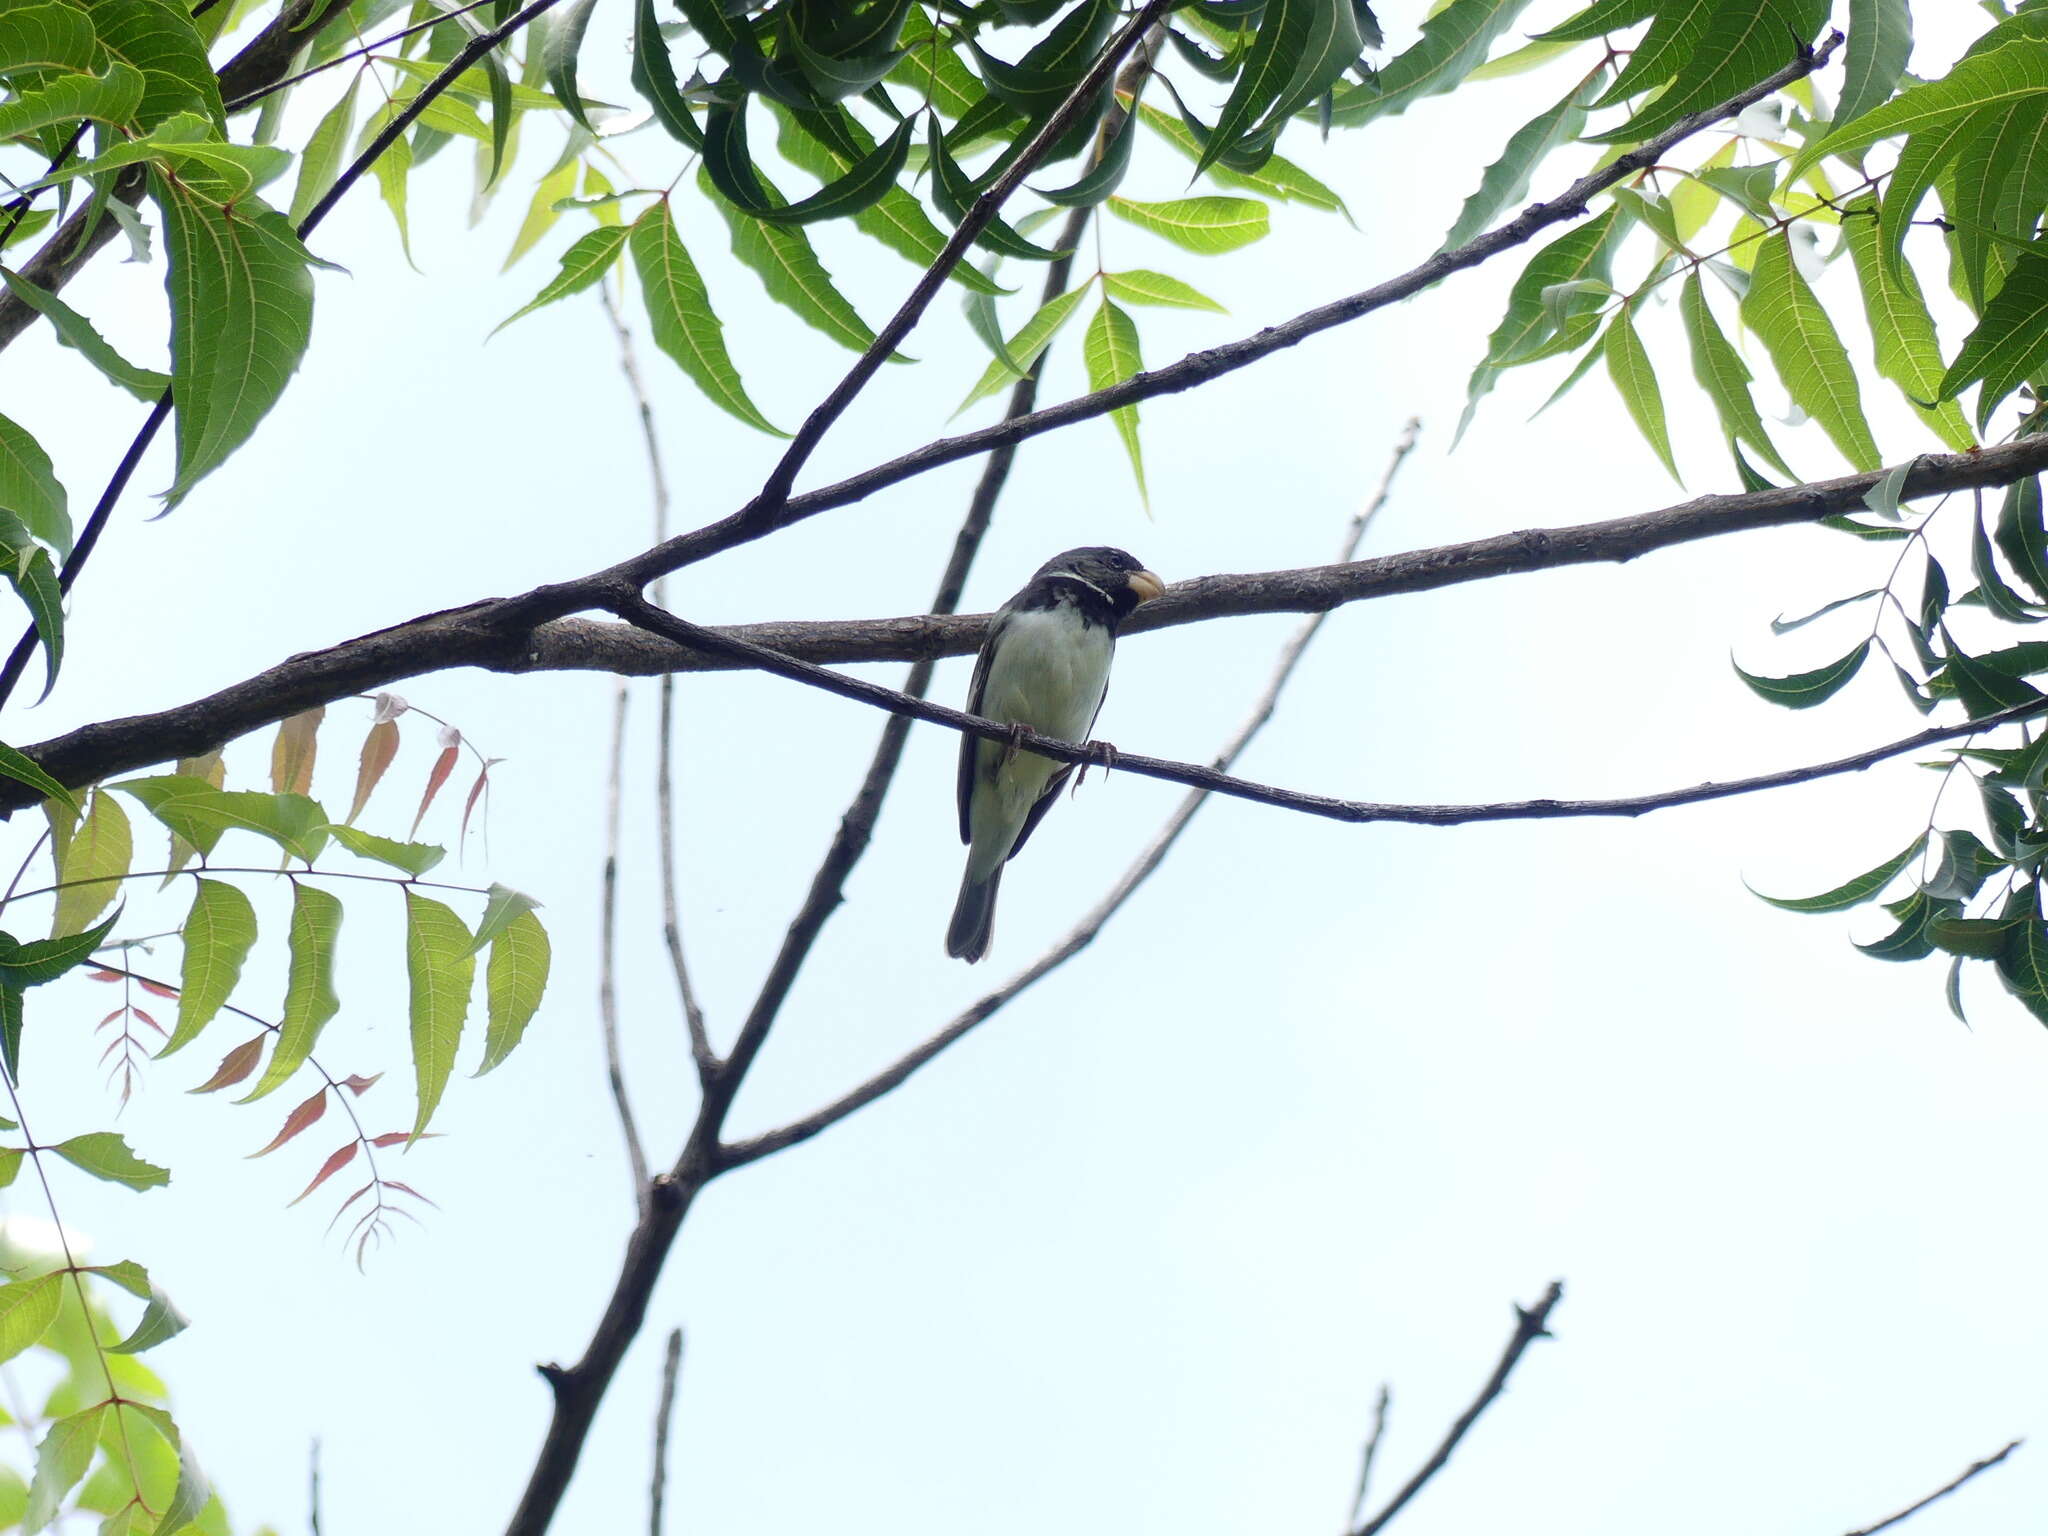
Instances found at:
x=1322 y=1103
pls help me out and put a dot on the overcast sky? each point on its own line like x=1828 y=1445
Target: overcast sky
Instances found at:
x=1319 y=1107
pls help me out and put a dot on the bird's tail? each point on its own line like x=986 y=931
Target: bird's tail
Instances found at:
x=974 y=914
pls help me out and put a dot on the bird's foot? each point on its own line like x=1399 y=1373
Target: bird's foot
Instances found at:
x=1102 y=752
x=1012 y=747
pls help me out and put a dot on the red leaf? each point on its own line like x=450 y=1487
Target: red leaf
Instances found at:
x=360 y=1084
x=156 y=988
x=390 y=1138
x=234 y=1066
x=297 y=1121
x=379 y=748
x=343 y=1209
x=152 y=1023
x=113 y=1045
x=104 y=975
x=103 y=1023
x=336 y=1161
x=443 y=766
x=408 y=1189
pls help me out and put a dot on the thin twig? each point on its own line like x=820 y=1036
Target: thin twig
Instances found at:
x=1529 y=1327
x=1940 y=1493
x=775 y=490
x=1084 y=932
x=313 y=1487
x=241 y=103
x=608 y=946
x=1372 y=1451
x=701 y=1051
x=657 y=1495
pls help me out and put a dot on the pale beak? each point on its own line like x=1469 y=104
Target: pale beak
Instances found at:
x=1146 y=585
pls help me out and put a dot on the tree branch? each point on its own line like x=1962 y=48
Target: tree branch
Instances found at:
x=763 y=516
x=1530 y=1326
x=1085 y=931
x=1940 y=1493
x=657 y=1494
x=1372 y=1453
x=529 y=632
x=608 y=953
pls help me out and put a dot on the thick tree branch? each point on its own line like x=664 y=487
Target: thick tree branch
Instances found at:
x=765 y=514
x=530 y=633
x=1085 y=931
x=1940 y=1493
x=1530 y=1325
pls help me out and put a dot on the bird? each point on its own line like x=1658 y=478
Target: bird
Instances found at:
x=1044 y=666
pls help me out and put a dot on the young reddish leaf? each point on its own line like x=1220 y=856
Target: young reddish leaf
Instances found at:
x=379 y=748
x=360 y=1084
x=234 y=1066
x=408 y=1189
x=312 y=1109
x=336 y=1161
x=451 y=747
x=156 y=988
x=291 y=756
x=103 y=1023
x=102 y=975
x=351 y=1200
x=476 y=793
x=393 y=1138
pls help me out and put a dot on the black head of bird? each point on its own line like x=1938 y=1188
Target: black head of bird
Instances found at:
x=1044 y=666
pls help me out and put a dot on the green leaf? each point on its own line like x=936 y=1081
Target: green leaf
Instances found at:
x=654 y=77
x=199 y=813
x=160 y=1320
x=558 y=55
x=1965 y=865
x=865 y=182
x=790 y=272
x=1803 y=690
x=309 y=996
x=1809 y=356
x=1106 y=175
x=1784 y=626
x=2022 y=536
x=1911 y=940
x=94 y=861
x=326 y=148
x=542 y=212
x=159 y=41
x=61 y=1459
x=514 y=981
x=1279 y=179
x=393 y=170
x=414 y=858
x=1454 y=42
x=679 y=315
x=1740 y=43
x=1531 y=328
x=1851 y=892
x=2000 y=182
x=440 y=965
x=1902 y=329
x=1997 y=78
x=1110 y=351
x=241 y=315
x=44 y=960
x=1030 y=339
x=1724 y=376
x=896 y=220
x=113 y=97
x=1208 y=226
x=30 y=490
x=218 y=934
x=2010 y=341
x=36 y=37
x=1301 y=49
x=954 y=193
x=23 y=769
x=36 y=583
x=1629 y=366
x=500 y=908
x=583 y=265
x=2023 y=965
x=1506 y=181
x=1985 y=690
x=105 y=1155
x=1143 y=287
x=77 y=332
x=27 y=1308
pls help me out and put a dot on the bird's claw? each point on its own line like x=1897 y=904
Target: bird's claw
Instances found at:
x=1102 y=751
x=1012 y=747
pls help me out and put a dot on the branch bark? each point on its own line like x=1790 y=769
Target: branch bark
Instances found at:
x=531 y=633
x=1940 y=1493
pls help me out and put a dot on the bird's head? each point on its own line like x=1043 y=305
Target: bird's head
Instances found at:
x=1119 y=576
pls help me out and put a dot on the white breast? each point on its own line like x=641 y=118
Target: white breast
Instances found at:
x=1049 y=672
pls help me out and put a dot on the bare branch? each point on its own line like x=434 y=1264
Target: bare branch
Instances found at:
x=657 y=1495
x=608 y=951
x=762 y=515
x=1372 y=1452
x=1530 y=1325
x=701 y=1052
x=1940 y=1493
x=1084 y=932
x=775 y=491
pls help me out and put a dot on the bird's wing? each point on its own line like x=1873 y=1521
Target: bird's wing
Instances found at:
x=1058 y=781
x=968 y=744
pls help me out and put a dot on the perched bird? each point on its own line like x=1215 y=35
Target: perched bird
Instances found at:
x=1044 y=665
